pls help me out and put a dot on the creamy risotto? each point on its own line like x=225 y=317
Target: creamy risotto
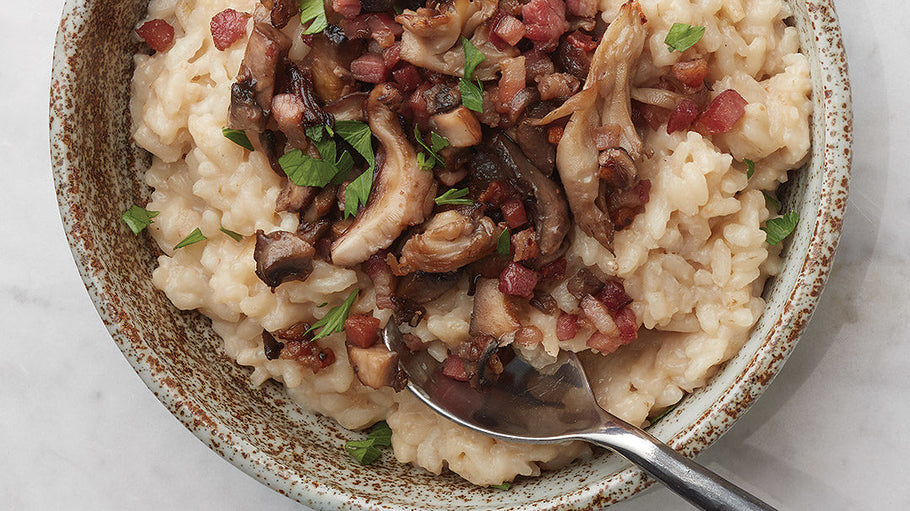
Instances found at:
x=501 y=177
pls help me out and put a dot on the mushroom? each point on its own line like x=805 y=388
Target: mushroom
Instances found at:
x=332 y=77
x=282 y=256
x=451 y=240
x=551 y=220
x=375 y=367
x=460 y=127
x=251 y=95
x=494 y=313
x=349 y=107
x=603 y=101
x=402 y=193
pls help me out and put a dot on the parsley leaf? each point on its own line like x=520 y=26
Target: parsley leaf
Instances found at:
x=381 y=434
x=472 y=57
x=138 y=218
x=471 y=95
x=234 y=235
x=779 y=228
x=504 y=243
x=454 y=196
x=238 y=137
x=363 y=451
x=772 y=200
x=357 y=192
x=307 y=171
x=333 y=321
x=313 y=10
x=360 y=137
x=437 y=143
x=750 y=168
x=681 y=36
x=194 y=237
x=503 y=486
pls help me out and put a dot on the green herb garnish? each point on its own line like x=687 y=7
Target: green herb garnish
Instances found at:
x=357 y=192
x=471 y=95
x=504 y=243
x=365 y=451
x=453 y=196
x=503 y=486
x=471 y=92
x=194 y=237
x=238 y=137
x=234 y=235
x=750 y=168
x=333 y=321
x=138 y=218
x=313 y=10
x=431 y=158
x=305 y=170
x=681 y=36
x=381 y=434
x=772 y=200
x=776 y=229
x=360 y=137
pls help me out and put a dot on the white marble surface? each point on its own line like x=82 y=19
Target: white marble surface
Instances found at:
x=78 y=430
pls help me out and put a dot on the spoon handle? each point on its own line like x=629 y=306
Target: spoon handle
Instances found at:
x=691 y=481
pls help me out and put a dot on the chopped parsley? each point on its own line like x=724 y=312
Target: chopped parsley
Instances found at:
x=194 y=237
x=234 y=235
x=428 y=160
x=313 y=10
x=453 y=196
x=503 y=486
x=504 y=243
x=238 y=137
x=365 y=451
x=360 y=137
x=681 y=36
x=333 y=321
x=471 y=91
x=772 y=200
x=750 y=168
x=304 y=170
x=138 y=218
x=471 y=95
x=776 y=229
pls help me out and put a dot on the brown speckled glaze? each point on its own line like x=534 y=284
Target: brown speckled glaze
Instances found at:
x=300 y=454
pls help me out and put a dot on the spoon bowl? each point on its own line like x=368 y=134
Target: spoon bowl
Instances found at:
x=555 y=404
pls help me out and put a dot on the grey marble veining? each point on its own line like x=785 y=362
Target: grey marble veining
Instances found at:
x=78 y=430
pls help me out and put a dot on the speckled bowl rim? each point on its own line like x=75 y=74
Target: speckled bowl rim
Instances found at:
x=772 y=342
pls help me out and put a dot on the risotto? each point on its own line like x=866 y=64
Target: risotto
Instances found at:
x=501 y=177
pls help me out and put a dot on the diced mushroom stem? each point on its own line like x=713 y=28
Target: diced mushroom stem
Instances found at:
x=494 y=313
x=375 y=367
x=402 y=193
x=460 y=127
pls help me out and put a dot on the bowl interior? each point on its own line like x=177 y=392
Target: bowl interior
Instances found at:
x=258 y=429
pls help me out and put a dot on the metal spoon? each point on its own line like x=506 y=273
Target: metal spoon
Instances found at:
x=556 y=404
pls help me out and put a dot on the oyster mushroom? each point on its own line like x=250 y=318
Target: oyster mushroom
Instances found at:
x=494 y=313
x=282 y=256
x=402 y=193
x=604 y=101
x=451 y=240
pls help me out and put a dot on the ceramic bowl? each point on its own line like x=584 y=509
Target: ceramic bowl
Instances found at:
x=300 y=454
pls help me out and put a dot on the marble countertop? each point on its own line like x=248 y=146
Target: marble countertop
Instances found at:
x=79 y=430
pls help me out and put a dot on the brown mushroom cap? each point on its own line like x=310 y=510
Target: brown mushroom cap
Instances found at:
x=282 y=256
